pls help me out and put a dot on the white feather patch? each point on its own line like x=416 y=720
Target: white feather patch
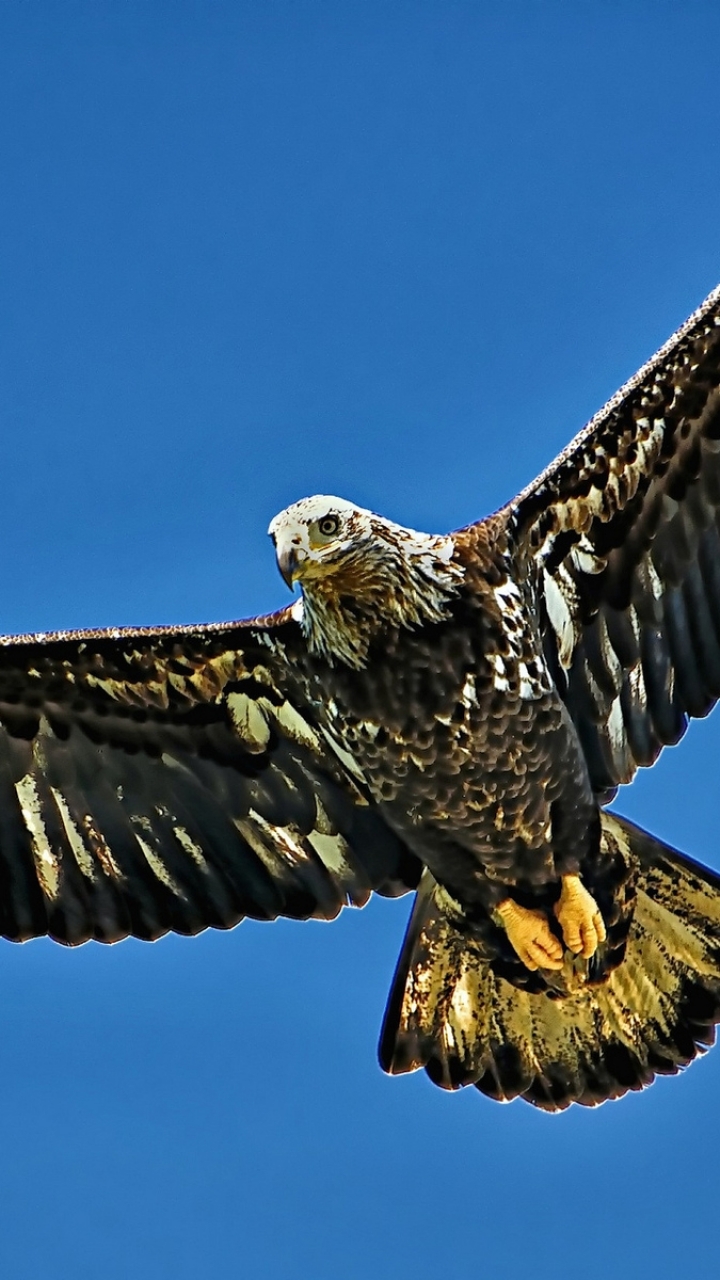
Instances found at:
x=636 y=681
x=83 y=856
x=249 y=721
x=469 y=692
x=560 y=619
x=332 y=851
x=46 y=862
x=616 y=729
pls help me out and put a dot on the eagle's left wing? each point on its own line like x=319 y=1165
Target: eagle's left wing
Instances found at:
x=622 y=533
x=173 y=779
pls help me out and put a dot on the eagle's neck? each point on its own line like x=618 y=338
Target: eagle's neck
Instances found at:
x=396 y=578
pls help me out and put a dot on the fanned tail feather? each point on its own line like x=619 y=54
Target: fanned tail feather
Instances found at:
x=449 y=1013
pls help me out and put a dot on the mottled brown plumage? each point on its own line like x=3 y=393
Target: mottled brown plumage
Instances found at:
x=452 y=711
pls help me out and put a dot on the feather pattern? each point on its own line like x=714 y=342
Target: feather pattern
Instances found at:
x=451 y=1013
x=165 y=780
x=622 y=532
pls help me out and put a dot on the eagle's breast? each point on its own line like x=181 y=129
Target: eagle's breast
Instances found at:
x=456 y=729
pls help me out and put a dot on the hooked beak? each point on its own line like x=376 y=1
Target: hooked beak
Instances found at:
x=288 y=562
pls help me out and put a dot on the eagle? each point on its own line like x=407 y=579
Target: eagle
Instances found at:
x=445 y=715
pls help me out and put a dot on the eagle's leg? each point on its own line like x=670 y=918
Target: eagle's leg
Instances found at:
x=579 y=918
x=530 y=935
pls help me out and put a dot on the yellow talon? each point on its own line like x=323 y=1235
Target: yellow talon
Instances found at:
x=530 y=935
x=579 y=918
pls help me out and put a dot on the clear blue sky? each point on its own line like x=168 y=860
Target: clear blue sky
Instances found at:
x=399 y=252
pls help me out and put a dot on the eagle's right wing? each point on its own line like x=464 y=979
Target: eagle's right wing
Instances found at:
x=173 y=779
x=622 y=533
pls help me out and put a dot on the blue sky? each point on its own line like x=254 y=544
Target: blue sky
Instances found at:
x=249 y=251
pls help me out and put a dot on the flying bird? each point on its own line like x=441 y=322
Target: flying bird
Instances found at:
x=445 y=714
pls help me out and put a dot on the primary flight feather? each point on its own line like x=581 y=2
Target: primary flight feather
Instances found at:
x=446 y=713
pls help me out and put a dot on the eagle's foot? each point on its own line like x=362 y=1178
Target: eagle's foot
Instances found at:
x=579 y=918
x=531 y=936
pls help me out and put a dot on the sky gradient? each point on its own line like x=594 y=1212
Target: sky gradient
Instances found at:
x=398 y=252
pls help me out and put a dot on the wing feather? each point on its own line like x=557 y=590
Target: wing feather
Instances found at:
x=622 y=534
x=173 y=779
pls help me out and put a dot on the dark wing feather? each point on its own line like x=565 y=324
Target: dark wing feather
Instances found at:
x=173 y=779
x=623 y=532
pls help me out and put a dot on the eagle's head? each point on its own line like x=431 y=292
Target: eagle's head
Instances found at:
x=360 y=574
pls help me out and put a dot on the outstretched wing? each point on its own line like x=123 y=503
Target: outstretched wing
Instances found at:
x=173 y=779
x=623 y=530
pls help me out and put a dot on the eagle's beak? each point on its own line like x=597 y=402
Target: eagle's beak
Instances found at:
x=288 y=562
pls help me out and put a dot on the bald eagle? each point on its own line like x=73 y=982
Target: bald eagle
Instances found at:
x=446 y=714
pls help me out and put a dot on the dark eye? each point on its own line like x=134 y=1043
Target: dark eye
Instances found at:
x=328 y=526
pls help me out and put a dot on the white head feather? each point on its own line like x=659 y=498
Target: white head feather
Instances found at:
x=360 y=574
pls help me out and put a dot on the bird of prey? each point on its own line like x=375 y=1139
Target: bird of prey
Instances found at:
x=445 y=714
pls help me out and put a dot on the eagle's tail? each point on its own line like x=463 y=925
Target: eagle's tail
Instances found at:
x=656 y=1011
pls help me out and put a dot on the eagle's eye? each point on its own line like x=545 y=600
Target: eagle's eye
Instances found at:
x=328 y=526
